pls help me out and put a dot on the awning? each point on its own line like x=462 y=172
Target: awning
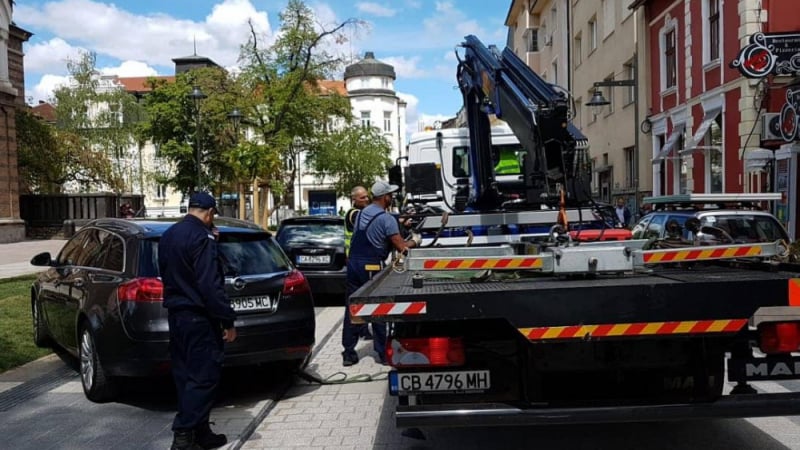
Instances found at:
x=581 y=141
x=677 y=132
x=708 y=118
x=756 y=160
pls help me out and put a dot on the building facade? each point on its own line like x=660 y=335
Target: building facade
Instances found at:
x=576 y=44
x=369 y=85
x=12 y=89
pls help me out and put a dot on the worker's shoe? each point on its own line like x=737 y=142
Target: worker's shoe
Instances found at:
x=349 y=358
x=207 y=439
x=184 y=440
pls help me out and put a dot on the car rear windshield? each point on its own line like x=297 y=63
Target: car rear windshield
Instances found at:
x=747 y=228
x=241 y=254
x=327 y=233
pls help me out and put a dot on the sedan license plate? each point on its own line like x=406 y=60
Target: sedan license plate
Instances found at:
x=313 y=259
x=432 y=382
x=256 y=303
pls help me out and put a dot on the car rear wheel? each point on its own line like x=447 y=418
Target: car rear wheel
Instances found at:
x=97 y=385
x=41 y=336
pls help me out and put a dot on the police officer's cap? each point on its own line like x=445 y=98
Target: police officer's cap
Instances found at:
x=382 y=188
x=202 y=200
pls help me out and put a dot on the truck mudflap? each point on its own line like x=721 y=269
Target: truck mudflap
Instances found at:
x=482 y=414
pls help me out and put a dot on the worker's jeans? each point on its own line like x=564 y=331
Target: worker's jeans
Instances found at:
x=357 y=276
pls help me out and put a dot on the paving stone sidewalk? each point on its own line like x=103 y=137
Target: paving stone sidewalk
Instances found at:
x=356 y=415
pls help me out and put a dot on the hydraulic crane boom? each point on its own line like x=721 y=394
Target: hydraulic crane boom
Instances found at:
x=537 y=112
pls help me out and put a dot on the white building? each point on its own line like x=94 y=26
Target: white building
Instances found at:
x=369 y=84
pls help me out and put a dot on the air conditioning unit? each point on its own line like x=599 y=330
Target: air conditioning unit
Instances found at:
x=771 y=127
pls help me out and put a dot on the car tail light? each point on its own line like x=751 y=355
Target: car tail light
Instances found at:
x=141 y=290
x=431 y=351
x=779 y=337
x=295 y=284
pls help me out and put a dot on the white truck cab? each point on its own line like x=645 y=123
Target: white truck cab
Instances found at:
x=453 y=158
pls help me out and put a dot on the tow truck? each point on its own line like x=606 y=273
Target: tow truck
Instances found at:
x=553 y=329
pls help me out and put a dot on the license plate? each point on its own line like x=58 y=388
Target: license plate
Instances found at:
x=313 y=259
x=419 y=382
x=256 y=303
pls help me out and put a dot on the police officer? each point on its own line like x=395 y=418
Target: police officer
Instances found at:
x=200 y=320
x=375 y=233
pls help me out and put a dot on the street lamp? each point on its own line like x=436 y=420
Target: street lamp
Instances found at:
x=197 y=96
x=235 y=116
x=597 y=102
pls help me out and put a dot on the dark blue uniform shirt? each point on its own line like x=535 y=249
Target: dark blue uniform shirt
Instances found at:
x=190 y=271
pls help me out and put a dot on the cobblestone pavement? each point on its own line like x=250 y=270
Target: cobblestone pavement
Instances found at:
x=334 y=416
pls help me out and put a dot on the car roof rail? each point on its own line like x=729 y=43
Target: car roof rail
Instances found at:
x=712 y=201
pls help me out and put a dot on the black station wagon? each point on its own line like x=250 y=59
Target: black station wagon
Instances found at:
x=101 y=300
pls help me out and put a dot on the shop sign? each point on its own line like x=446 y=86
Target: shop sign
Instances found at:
x=769 y=53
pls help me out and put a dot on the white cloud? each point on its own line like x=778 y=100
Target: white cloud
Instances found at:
x=50 y=56
x=415 y=4
x=44 y=89
x=129 y=69
x=412 y=112
x=375 y=9
x=406 y=67
x=154 y=39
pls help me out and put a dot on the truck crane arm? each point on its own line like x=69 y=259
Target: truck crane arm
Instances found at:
x=538 y=113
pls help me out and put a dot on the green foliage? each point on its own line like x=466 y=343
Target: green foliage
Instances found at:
x=16 y=335
x=48 y=158
x=99 y=117
x=353 y=156
x=281 y=92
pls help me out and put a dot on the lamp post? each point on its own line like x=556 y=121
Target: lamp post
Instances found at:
x=197 y=96
x=597 y=102
x=235 y=116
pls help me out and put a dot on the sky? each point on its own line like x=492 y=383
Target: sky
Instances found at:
x=140 y=38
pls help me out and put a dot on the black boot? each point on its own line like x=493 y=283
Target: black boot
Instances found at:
x=184 y=440
x=207 y=439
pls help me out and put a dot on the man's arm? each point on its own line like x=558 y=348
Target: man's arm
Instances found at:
x=211 y=284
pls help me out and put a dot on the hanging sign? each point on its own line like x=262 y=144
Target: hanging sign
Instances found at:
x=769 y=53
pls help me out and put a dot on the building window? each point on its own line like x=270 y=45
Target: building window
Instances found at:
x=714 y=160
x=555 y=72
x=592 y=34
x=365 y=119
x=161 y=191
x=533 y=39
x=609 y=95
x=630 y=93
x=608 y=17
x=713 y=30
x=387 y=121
x=385 y=83
x=630 y=170
x=682 y=167
x=670 y=59
x=577 y=54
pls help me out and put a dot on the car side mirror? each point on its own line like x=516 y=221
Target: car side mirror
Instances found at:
x=42 y=259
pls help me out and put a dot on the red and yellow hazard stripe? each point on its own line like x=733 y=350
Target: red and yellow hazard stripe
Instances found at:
x=635 y=329
x=662 y=256
x=523 y=262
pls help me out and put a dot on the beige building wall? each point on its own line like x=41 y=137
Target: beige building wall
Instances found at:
x=538 y=33
x=603 y=49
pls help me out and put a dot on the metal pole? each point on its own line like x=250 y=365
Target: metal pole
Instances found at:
x=197 y=146
x=636 y=133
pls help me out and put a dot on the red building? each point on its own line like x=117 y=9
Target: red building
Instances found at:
x=705 y=116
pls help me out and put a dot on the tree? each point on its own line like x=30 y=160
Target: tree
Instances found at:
x=350 y=157
x=282 y=97
x=173 y=125
x=100 y=116
x=49 y=158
